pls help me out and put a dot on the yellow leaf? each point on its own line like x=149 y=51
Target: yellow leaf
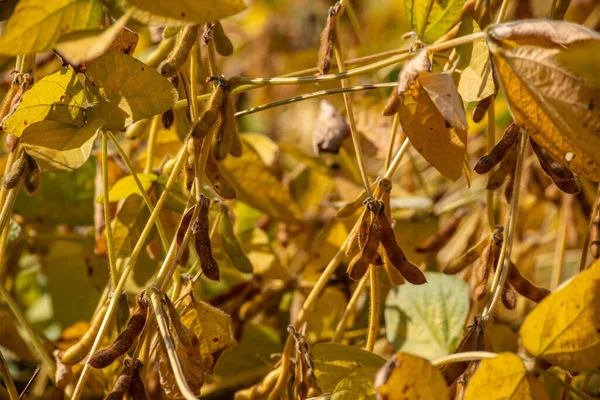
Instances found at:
x=408 y=377
x=128 y=225
x=584 y=60
x=81 y=46
x=335 y=363
x=431 y=19
x=475 y=79
x=559 y=108
x=182 y=12
x=36 y=25
x=443 y=93
x=564 y=329
x=427 y=130
x=126 y=186
x=504 y=377
x=60 y=147
x=213 y=328
x=258 y=187
x=57 y=97
x=125 y=90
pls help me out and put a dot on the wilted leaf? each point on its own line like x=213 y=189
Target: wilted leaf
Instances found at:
x=337 y=367
x=125 y=90
x=62 y=198
x=36 y=25
x=257 y=186
x=443 y=94
x=213 y=328
x=126 y=186
x=429 y=131
x=409 y=377
x=60 y=147
x=81 y=46
x=57 y=97
x=557 y=107
x=427 y=320
x=431 y=19
x=564 y=329
x=330 y=130
x=181 y=12
x=475 y=78
x=504 y=377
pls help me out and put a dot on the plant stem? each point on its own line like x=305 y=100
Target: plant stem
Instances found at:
x=350 y=309
x=491 y=142
x=35 y=344
x=561 y=241
x=504 y=258
x=8 y=381
x=460 y=357
x=502 y=12
x=154 y=127
x=390 y=149
x=114 y=301
x=389 y=173
x=556 y=379
x=8 y=206
x=114 y=276
x=313 y=95
x=161 y=230
x=374 y=308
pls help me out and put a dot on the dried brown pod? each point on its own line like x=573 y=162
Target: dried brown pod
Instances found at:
x=372 y=238
x=17 y=169
x=524 y=287
x=31 y=181
x=167 y=118
x=481 y=108
x=122 y=384
x=79 y=350
x=359 y=234
x=499 y=151
x=181 y=230
x=222 y=43
x=562 y=177
x=330 y=130
x=103 y=358
x=507 y=166
x=136 y=385
x=489 y=258
x=227 y=131
x=440 y=238
x=468 y=258
x=188 y=36
x=305 y=381
x=63 y=373
x=328 y=39
x=392 y=105
x=189 y=166
x=222 y=185
x=409 y=271
x=509 y=297
x=11 y=142
x=201 y=230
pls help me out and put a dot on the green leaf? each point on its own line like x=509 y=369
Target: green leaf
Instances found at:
x=427 y=320
x=61 y=198
x=123 y=90
x=57 y=97
x=256 y=185
x=126 y=186
x=182 y=12
x=338 y=367
x=36 y=25
x=430 y=19
x=475 y=81
x=59 y=147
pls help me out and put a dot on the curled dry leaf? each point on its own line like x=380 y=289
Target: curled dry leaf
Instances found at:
x=330 y=130
x=558 y=107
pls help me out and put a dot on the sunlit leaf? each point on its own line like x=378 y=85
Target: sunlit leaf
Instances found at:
x=81 y=46
x=126 y=186
x=564 y=329
x=557 y=107
x=125 y=90
x=427 y=320
x=504 y=377
x=36 y=25
x=475 y=78
x=181 y=12
x=57 y=97
x=257 y=186
x=431 y=19
x=335 y=365
x=443 y=94
x=410 y=377
x=58 y=146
